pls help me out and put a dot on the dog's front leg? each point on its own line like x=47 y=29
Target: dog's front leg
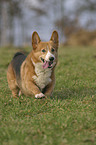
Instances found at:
x=49 y=88
x=33 y=89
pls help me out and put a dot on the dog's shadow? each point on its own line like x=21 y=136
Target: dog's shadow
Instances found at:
x=70 y=93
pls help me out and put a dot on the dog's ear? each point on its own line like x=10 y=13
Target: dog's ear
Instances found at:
x=54 y=37
x=35 y=39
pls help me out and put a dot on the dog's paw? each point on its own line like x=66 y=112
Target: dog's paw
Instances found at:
x=38 y=96
x=20 y=93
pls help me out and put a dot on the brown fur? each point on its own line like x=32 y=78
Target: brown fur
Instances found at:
x=25 y=83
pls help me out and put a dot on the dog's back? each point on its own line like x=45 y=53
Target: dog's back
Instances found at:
x=17 y=62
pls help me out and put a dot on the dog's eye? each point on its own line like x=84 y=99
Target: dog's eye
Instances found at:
x=43 y=50
x=52 y=50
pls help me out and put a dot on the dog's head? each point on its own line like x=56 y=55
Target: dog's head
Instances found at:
x=45 y=52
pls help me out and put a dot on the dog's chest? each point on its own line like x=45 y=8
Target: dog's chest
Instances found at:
x=42 y=77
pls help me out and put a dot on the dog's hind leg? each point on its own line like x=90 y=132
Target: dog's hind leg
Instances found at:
x=20 y=93
x=12 y=81
x=15 y=92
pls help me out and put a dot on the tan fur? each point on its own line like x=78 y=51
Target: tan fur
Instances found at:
x=12 y=81
x=34 y=79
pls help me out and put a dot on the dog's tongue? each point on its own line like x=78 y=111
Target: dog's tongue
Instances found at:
x=46 y=64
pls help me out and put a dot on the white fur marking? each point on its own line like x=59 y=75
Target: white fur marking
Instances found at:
x=19 y=93
x=42 y=77
x=48 y=55
x=39 y=95
x=33 y=62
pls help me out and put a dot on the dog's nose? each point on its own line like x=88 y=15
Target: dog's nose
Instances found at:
x=51 y=58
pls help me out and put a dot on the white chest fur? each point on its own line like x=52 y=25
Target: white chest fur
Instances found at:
x=42 y=77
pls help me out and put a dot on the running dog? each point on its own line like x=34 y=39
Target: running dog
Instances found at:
x=34 y=74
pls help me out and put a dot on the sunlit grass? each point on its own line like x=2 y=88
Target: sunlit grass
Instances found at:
x=66 y=118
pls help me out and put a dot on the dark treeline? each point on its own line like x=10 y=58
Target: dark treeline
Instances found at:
x=63 y=16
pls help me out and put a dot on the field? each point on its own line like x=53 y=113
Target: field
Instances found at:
x=66 y=118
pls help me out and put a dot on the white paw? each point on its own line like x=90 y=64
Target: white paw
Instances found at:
x=41 y=95
x=20 y=93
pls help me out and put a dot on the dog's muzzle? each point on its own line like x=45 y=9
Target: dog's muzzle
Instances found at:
x=47 y=64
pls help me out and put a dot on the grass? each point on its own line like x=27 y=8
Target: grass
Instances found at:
x=66 y=118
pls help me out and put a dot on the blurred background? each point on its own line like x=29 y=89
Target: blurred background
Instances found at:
x=74 y=20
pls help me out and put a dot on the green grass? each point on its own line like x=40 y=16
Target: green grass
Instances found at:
x=66 y=118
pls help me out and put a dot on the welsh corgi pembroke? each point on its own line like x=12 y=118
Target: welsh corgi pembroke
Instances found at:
x=33 y=75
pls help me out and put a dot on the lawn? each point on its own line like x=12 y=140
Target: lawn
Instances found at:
x=66 y=118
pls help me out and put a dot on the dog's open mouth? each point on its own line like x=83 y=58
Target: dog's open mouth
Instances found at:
x=46 y=64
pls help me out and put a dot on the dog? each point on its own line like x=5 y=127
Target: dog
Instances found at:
x=33 y=75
